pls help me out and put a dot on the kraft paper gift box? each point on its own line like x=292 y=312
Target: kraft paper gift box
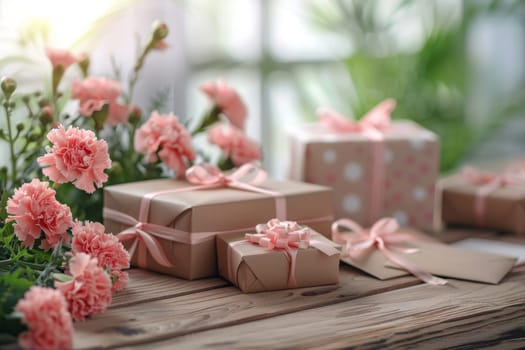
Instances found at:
x=180 y=227
x=483 y=199
x=375 y=172
x=408 y=251
x=253 y=268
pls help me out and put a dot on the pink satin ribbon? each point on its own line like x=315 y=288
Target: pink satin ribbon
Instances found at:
x=372 y=126
x=285 y=236
x=488 y=182
x=204 y=176
x=385 y=237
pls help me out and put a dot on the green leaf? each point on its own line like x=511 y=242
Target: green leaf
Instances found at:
x=12 y=289
x=11 y=326
x=61 y=277
x=100 y=117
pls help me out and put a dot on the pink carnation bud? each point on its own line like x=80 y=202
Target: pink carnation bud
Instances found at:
x=234 y=143
x=93 y=93
x=62 y=57
x=161 y=45
x=164 y=137
x=227 y=100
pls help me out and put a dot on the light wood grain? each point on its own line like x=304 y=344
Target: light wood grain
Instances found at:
x=164 y=312
x=174 y=316
x=147 y=286
x=462 y=314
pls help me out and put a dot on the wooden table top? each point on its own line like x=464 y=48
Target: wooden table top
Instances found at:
x=162 y=312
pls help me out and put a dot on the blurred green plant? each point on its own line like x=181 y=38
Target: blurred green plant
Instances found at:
x=431 y=81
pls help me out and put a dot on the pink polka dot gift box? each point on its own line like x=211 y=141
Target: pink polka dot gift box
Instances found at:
x=376 y=166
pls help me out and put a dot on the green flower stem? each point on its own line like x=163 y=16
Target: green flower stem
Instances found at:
x=136 y=70
x=35 y=267
x=28 y=106
x=10 y=140
x=210 y=118
x=57 y=74
x=6 y=262
x=50 y=266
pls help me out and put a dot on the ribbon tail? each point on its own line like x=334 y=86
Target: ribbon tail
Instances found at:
x=413 y=269
x=136 y=248
x=133 y=249
x=155 y=249
x=292 y=253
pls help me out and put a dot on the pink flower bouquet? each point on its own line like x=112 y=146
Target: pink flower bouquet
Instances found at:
x=50 y=191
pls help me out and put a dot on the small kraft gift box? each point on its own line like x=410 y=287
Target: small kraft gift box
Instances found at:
x=280 y=255
x=485 y=199
x=169 y=226
x=377 y=167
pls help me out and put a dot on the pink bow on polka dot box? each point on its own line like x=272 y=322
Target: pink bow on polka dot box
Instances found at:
x=376 y=166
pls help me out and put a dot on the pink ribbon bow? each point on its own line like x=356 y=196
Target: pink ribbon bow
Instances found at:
x=289 y=237
x=203 y=176
x=144 y=233
x=378 y=118
x=372 y=125
x=488 y=182
x=385 y=237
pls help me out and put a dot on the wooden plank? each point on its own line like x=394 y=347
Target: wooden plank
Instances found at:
x=462 y=315
x=178 y=315
x=146 y=286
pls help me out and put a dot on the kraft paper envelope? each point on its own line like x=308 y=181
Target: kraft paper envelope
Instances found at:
x=438 y=259
x=373 y=262
x=447 y=261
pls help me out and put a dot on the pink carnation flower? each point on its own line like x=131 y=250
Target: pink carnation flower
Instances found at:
x=89 y=292
x=161 y=45
x=234 y=143
x=44 y=311
x=164 y=137
x=76 y=156
x=120 y=280
x=92 y=239
x=61 y=57
x=35 y=209
x=228 y=100
x=93 y=93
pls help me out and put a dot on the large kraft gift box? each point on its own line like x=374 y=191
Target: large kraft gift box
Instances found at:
x=254 y=269
x=393 y=177
x=198 y=215
x=467 y=203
